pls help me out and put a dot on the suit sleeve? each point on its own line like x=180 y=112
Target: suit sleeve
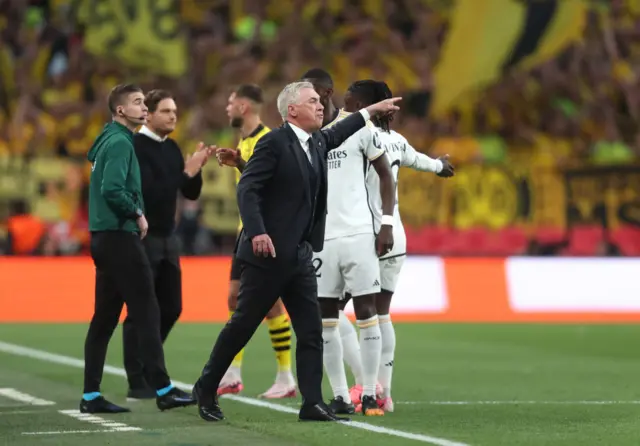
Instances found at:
x=191 y=187
x=114 y=179
x=250 y=192
x=341 y=131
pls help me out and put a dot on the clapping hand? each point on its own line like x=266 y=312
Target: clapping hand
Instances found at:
x=195 y=162
x=228 y=157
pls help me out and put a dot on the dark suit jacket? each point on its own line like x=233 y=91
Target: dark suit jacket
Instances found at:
x=274 y=193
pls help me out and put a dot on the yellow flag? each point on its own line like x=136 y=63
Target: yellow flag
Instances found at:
x=480 y=37
x=488 y=36
x=140 y=33
x=566 y=26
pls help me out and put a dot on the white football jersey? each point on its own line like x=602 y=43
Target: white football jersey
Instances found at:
x=348 y=207
x=400 y=154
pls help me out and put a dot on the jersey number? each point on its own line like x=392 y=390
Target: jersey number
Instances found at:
x=317 y=264
x=396 y=164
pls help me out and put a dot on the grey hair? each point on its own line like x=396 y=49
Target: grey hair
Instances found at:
x=290 y=95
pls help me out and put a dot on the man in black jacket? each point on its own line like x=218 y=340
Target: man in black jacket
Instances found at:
x=163 y=172
x=282 y=197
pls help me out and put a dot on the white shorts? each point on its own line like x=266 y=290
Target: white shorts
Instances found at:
x=391 y=264
x=390 y=272
x=348 y=263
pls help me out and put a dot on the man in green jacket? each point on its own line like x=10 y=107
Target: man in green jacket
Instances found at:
x=123 y=273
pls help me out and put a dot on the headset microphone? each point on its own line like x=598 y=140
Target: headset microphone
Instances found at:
x=132 y=118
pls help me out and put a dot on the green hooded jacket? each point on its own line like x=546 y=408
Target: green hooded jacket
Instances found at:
x=115 y=192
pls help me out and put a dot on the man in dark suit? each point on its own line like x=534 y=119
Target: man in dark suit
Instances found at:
x=282 y=197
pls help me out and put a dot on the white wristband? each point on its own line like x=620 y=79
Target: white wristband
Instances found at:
x=387 y=220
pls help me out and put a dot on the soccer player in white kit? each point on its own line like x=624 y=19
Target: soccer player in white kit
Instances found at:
x=349 y=259
x=400 y=154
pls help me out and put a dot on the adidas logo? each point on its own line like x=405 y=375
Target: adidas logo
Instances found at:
x=389 y=364
x=376 y=283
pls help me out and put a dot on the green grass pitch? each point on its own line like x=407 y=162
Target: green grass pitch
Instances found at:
x=454 y=385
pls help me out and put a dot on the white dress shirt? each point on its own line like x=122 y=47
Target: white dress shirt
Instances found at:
x=303 y=136
x=146 y=131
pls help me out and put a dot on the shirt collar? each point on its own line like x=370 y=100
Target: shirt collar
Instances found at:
x=301 y=134
x=255 y=132
x=147 y=132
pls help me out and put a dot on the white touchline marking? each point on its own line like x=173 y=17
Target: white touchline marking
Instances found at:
x=19 y=412
x=511 y=403
x=515 y=403
x=16 y=395
x=91 y=418
x=97 y=431
x=117 y=371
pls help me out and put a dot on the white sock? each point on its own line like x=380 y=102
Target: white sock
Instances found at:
x=351 y=347
x=370 y=350
x=332 y=358
x=232 y=375
x=285 y=377
x=388 y=351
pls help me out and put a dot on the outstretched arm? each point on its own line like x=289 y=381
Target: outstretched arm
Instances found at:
x=339 y=133
x=419 y=161
x=334 y=136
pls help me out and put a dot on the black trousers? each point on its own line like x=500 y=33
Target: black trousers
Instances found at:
x=164 y=256
x=123 y=275
x=259 y=291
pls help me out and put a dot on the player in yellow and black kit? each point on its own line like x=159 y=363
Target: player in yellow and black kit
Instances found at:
x=244 y=114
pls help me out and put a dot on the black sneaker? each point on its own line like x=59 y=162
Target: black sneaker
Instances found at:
x=339 y=406
x=100 y=405
x=175 y=398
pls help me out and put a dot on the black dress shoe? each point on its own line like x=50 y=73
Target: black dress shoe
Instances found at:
x=142 y=393
x=211 y=412
x=318 y=412
x=100 y=405
x=175 y=398
x=339 y=405
x=208 y=407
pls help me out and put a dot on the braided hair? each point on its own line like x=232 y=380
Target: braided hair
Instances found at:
x=370 y=92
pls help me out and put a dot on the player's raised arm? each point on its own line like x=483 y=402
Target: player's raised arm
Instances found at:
x=419 y=161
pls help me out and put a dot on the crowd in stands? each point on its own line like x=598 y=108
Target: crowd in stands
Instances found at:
x=582 y=106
